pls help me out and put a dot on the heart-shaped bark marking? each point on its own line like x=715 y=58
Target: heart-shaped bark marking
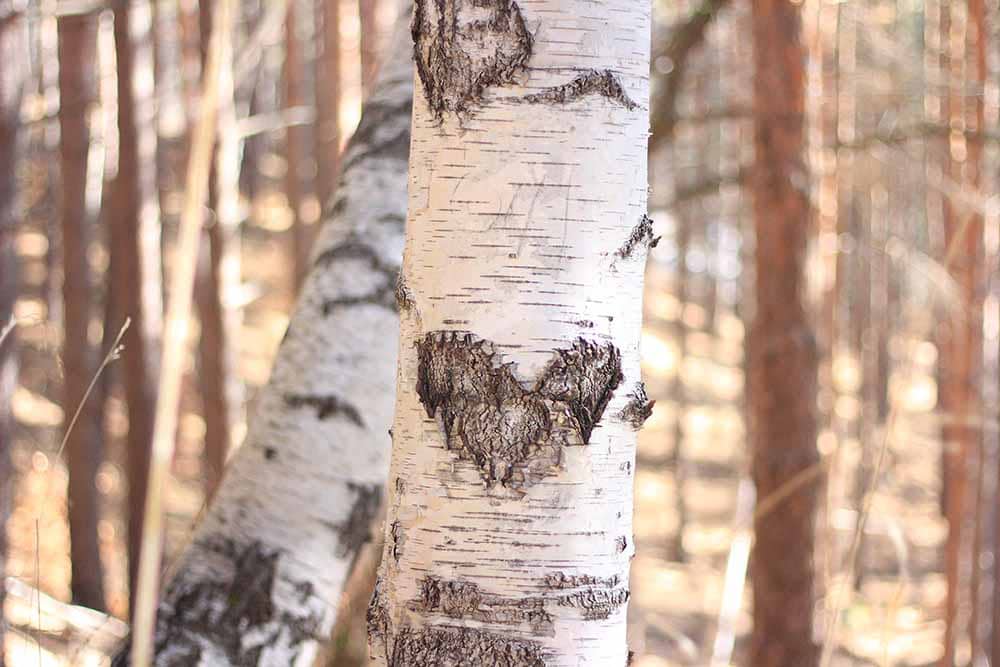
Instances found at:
x=512 y=434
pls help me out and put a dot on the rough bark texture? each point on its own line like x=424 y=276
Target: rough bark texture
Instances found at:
x=77 y=86
x=508 y=536
x=13 y=46
x=782 y=350
x=259 y=583
x=135 y=243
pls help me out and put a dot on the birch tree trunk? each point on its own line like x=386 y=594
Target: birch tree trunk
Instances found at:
x=509 y=528
x=259 y=583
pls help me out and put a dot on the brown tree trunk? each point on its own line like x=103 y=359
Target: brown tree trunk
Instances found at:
x=368 y=13
x=135 y=246
x=327 y=99
x=782 y=350
x=77 y=40
x=960 y=345
x=220 y=400
x=13 y=51
x=296 y=150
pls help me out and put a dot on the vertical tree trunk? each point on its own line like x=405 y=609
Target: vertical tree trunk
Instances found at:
x=961 y=344
x=368 y=14
x=509 y=527
x=221 y=390
x=135 y=244
x=677 y=386
x=77 y=40
x=13 y=75
x=296 y=150
x=259 y=581
x=782 y=350
x=327 y=99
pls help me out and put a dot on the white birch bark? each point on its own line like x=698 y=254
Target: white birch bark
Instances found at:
x=260 y=581
x=509 y=529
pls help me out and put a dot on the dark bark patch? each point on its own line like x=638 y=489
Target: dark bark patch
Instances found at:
x=378 y=135
x=354 y=249
x=326 y=406
x=463 y=47
x=561 y=581
x=592 y=82
x=356 y=529
x=233 y=614
x=466 y=600
x=447 y=646
x=398 y=536
x=596 y=603
x=404 y=298
x=639 y=408
x=513 y=435
x=641 y=236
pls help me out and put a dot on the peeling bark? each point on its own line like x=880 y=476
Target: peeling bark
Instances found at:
x=639 y=408
x=641 y=237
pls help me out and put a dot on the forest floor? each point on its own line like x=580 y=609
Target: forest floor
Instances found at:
x=689 y=521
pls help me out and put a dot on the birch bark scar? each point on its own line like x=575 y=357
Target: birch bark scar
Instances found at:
x=463 y=47
x=514 y=435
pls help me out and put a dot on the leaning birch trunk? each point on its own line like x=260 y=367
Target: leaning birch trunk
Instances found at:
x=509 y=528
x=259 y=583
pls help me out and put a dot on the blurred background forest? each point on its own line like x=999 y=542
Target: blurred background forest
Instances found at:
x=902 y=126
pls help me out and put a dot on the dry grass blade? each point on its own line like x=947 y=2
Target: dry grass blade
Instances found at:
x=113 y=355
x=175 y=335
x=7 y=330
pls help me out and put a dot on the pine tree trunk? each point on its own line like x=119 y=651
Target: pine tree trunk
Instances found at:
x=219 y=280
x=13 y=75
x=509 y=528
x=77 y=85
x=296 y=149
x=327 y=99
x=259 y=582
x=782 y=350
x=368 y=15
x=135 y=244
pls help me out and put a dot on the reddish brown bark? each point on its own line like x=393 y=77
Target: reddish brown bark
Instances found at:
x=135 y=245
x=327 y=99
x=960 y=337
x=368 y=13
x=77 y=85
x=215 y=365
x=782 y=350
x=296 y=137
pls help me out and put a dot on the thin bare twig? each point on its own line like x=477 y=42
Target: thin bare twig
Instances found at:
x=113 y=355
